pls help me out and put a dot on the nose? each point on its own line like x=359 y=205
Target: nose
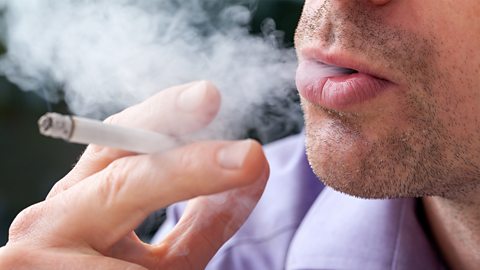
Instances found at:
x=380 y=2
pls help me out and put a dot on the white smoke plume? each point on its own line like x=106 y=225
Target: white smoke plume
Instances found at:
x=104 y=55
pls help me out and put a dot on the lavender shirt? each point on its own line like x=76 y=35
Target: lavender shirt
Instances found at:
x=301 y=224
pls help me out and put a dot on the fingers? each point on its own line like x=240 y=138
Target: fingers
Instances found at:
x=119 y=197
x=207 y=223
x=15 y=258
x=175 y=111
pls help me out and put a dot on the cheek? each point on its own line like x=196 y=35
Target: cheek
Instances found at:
x=459 y=110
x=457 y=88
x=456 y=29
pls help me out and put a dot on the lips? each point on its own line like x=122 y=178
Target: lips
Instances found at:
x=335 y=87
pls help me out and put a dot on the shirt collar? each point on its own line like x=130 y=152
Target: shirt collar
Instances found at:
x=343 y=232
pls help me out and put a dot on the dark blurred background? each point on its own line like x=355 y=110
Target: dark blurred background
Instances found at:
x=30 y=164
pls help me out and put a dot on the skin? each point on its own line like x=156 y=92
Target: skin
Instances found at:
x=88 y=218
x=420 y=137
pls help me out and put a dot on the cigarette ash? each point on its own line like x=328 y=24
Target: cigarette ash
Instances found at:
x=56 y=126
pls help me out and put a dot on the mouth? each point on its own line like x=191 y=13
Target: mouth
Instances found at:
x=338 y=87
x=342 y=70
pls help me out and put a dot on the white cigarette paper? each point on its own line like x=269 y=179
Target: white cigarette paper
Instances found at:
x=87 y=131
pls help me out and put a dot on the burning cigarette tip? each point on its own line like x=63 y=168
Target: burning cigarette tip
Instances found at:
x=90 y=131
x=56 y=125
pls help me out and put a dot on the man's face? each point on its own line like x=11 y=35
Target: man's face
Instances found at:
x=408 y=123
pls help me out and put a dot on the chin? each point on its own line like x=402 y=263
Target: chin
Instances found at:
x=347 y=160
x=353 y=173
x=344 y=171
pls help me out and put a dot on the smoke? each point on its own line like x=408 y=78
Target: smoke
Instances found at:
x=102 y=56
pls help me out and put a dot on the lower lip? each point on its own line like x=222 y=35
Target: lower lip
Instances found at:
x=339 y=91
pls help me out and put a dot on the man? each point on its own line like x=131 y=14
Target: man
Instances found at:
x=399 y=120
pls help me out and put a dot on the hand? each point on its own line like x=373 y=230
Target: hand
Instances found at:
x=88 y=218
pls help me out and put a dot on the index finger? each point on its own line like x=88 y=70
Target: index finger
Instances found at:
x=175 y=111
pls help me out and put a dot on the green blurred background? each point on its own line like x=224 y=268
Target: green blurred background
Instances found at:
x=30 y=164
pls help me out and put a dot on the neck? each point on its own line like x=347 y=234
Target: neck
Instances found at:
x=455 y=223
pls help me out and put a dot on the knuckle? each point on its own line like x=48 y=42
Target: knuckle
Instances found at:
x=114 y=181
x=25 y=220
x=56 y=189
x=190 y=160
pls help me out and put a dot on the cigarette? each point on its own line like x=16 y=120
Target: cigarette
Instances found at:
x=88 y=131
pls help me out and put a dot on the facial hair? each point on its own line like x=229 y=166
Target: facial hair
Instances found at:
x=419 y=157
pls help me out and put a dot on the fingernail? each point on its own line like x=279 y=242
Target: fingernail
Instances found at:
x=191 y=98
x=233 y=156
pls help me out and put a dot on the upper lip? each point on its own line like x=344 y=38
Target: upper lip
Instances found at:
x=344 y=60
